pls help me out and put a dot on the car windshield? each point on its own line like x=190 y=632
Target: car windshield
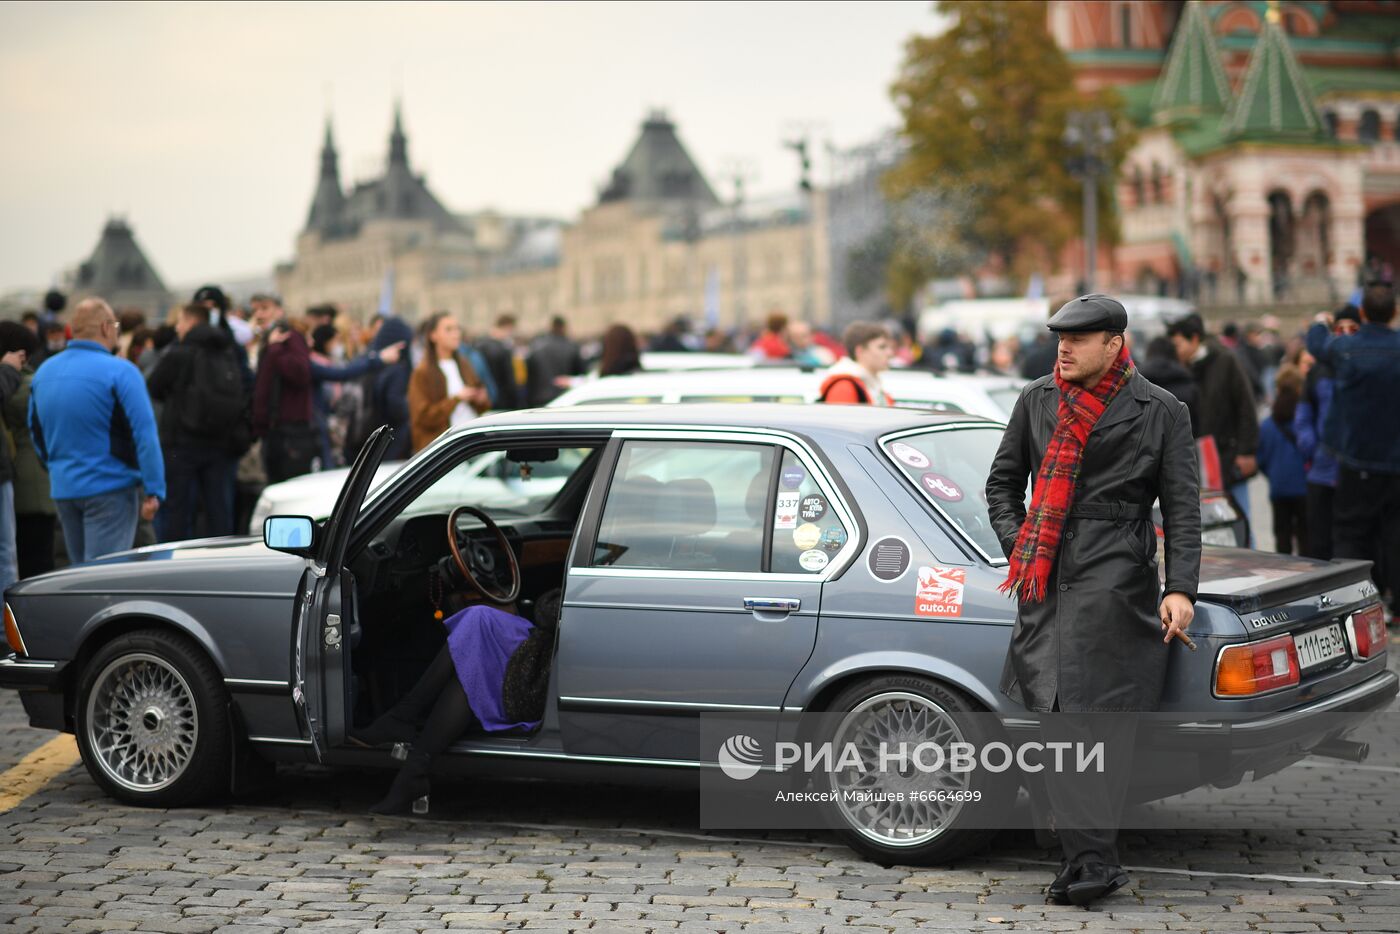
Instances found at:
x=516 y=486
x=949 y=467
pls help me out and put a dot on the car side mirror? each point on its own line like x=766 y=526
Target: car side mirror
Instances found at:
x=296 y=535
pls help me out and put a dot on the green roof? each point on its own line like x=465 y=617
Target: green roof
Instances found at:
x=1330 y=80
x=1275 y=100
x=1194 y=81
x=1137 y=101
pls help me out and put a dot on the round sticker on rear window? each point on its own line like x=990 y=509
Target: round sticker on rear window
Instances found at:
x=812 y=560
x=907 y=455
x=833 y=538
x=813 y=507
x=806 y=536
x=940 y=486
x=793 y=477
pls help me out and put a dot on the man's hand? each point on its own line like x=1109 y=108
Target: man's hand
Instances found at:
x=1247 y=465
x=1176 y=613
x=390 y=355
x=149 y=506
x=14 y=359
x=279 y=335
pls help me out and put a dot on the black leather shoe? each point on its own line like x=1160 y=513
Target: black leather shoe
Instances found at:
x=1057 y=893
x=1095 y=880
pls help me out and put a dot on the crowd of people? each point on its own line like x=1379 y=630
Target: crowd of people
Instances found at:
x=122 y=430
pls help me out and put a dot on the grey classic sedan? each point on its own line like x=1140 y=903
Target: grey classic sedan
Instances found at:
x=775 y=561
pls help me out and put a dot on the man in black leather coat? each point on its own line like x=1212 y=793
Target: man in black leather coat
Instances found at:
x=1098 y=640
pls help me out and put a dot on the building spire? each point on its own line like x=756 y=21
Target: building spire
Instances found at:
x=398 y=143
x=327 y=202
x=1194 y=81
x=1275 y=99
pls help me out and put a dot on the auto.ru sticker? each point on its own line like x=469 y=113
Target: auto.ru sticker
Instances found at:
x=939 y=591
x=812 y=560
x=785 y=516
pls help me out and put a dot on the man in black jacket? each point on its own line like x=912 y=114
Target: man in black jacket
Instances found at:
x=1094 y=627
x=195 y=432
x=1225 y=406
x=497 y=348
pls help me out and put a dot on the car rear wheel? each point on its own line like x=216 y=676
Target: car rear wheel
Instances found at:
x=152 y=720
x=933 y=821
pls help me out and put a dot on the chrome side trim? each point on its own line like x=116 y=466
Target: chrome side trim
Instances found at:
x=280 y=740
x=674 y=705
x=609 y=760
x=256 y=686
x=29 y=664
x=996 y=561
x=755 y=576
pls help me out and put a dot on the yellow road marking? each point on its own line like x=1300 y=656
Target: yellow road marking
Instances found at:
x=37 y=769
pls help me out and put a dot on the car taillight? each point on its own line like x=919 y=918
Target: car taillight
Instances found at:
x=11 y=632
x=1256 y=667
x=1368 y=635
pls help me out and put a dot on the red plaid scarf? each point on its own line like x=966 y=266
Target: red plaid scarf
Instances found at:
x=1038 y=542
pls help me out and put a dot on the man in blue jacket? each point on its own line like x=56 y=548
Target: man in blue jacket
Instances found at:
x=94 y=431
x=1363 y=431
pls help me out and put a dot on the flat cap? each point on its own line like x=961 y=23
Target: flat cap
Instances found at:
x=1094 y=312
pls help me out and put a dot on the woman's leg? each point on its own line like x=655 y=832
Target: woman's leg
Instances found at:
x=399 y=722
x=450 y=718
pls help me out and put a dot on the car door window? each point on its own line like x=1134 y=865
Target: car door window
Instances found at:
x=807 y=533
x=686 y=506
x=493 y=481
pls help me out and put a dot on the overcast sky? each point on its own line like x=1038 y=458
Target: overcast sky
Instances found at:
x=202 y=122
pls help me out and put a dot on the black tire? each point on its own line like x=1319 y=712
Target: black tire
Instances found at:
x=965 y=832
x=152 y=720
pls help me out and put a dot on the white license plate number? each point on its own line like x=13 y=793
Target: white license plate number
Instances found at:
x=1320 y=646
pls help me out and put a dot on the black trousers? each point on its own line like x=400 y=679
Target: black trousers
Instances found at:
x=1319 y=520
x=1366 y=524
x=1085 y=807
x=1290 y=524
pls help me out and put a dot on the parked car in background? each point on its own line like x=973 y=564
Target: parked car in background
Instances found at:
x=824 y=571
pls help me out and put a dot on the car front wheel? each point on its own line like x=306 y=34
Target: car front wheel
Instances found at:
x=892 y=814
x=152 y=720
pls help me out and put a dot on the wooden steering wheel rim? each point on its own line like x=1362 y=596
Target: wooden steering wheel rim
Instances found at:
x=514 y=590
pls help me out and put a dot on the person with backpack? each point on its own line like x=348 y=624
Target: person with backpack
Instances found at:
x=199 y=382
x=1282 y=461
x=855 y=379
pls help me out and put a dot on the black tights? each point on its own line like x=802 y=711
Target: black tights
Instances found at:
x=439 y=694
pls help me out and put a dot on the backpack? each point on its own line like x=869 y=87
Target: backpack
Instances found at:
x=212 y=402
x=859 y=387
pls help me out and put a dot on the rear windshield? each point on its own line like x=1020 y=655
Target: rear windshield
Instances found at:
x=949 y=469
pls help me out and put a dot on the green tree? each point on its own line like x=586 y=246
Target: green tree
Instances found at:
x=984 y=107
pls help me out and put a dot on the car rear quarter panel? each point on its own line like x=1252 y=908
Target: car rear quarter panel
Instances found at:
x=868 y=626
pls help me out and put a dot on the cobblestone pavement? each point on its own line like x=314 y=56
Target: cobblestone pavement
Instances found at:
x=545 y=857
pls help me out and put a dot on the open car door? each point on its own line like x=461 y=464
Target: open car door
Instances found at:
x=325 y=610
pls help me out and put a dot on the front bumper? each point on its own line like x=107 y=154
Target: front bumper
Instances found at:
x=30 y=674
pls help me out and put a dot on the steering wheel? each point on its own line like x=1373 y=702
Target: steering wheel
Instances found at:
x=479 y=563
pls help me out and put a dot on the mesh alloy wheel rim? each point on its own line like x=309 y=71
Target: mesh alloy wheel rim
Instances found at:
x=892 y=718
x=142 y=723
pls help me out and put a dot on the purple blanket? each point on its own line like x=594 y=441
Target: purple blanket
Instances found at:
x=481 y=640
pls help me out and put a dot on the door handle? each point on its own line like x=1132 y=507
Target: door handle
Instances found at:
x=772 y=604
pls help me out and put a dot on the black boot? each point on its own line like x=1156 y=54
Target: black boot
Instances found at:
x=1058 y=891
x=410 y=788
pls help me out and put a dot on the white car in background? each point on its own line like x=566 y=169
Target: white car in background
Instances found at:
x=988 y=396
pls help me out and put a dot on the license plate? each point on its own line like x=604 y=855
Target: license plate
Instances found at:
x=1320 y=646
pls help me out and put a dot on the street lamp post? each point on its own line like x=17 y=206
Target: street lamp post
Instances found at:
x=1088 y=134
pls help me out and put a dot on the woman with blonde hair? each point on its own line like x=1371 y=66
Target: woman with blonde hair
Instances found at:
x=444 y=390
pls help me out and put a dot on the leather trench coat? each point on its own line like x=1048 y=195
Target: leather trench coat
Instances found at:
x=1095 y=642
